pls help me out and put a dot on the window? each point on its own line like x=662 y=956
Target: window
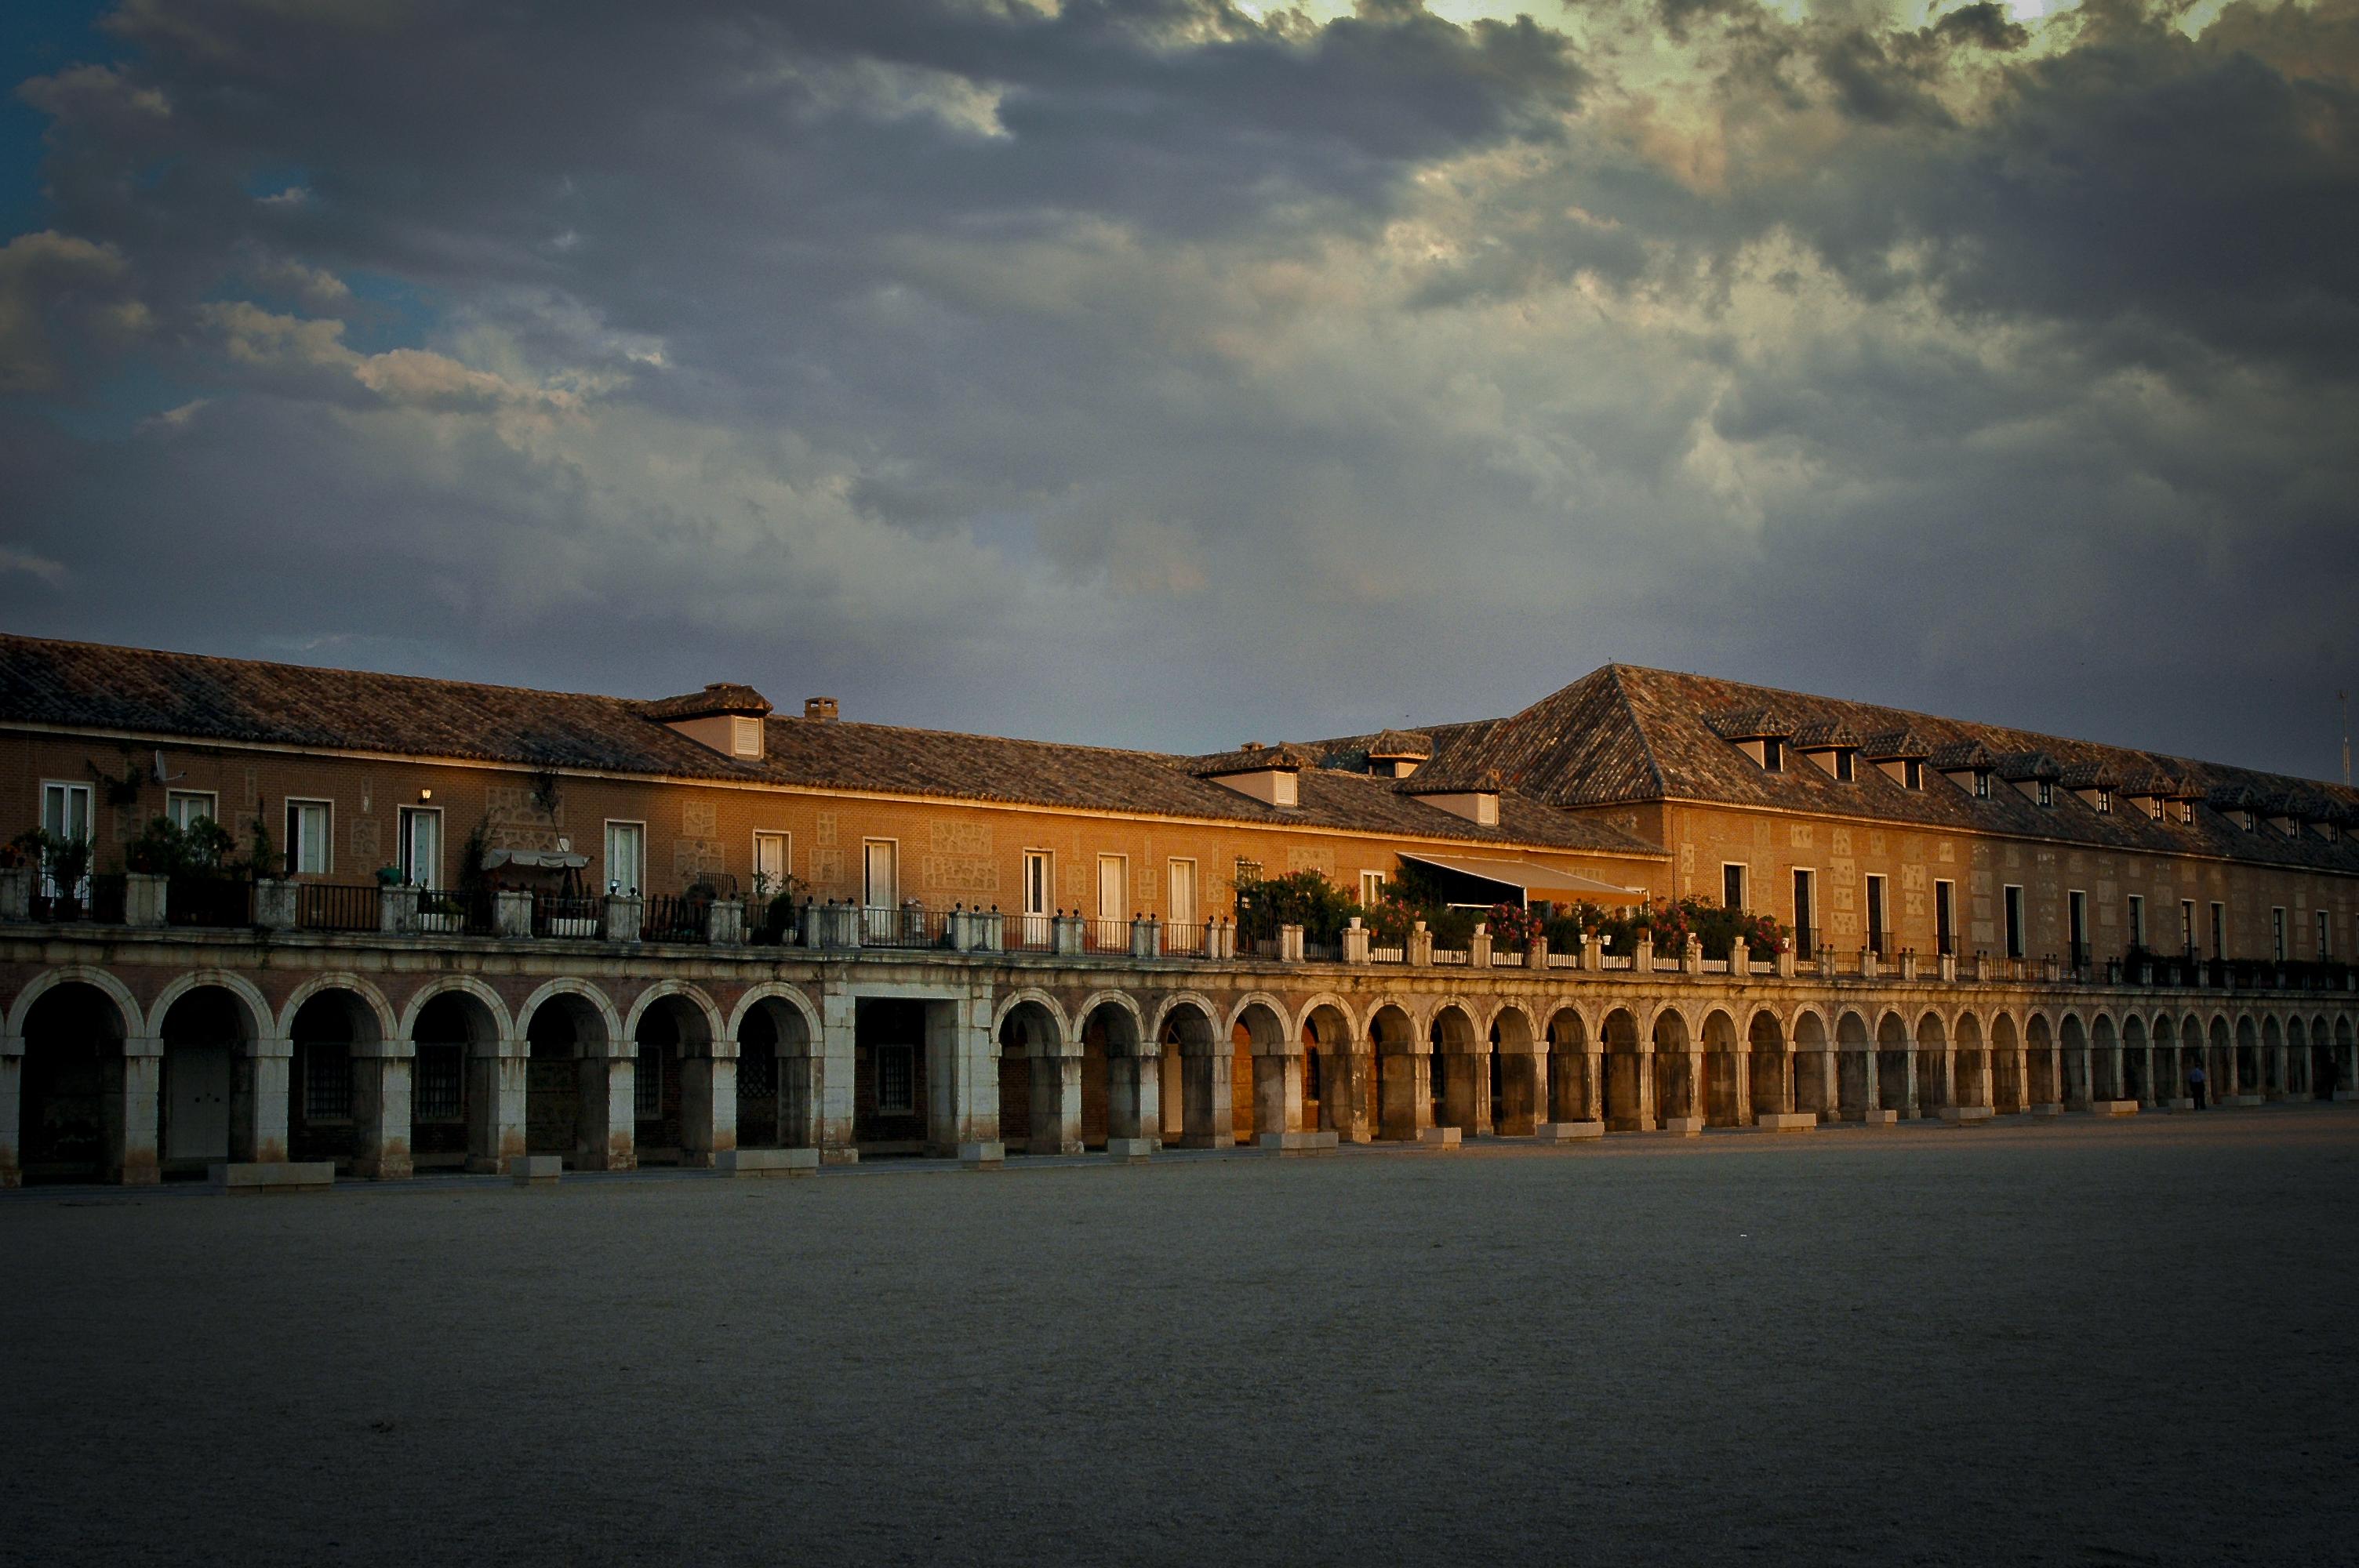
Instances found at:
x=1912 y=773
x=2186 y=814
x=1183 y=907
x=2013 y=921
x=626 y=851
x=1982 y=783
x=1732 y=886
x=2156 y=809
x=422 y=847
x=880 y=874
x=1040 y=881
x=440 y=1094
x=774 y=861
x=307 y=822
x=1372 y=888
x=2138 y=920
x=2077 y=917
x=2250 y=822
x=2187 y=923
x=1773 y=754
x=1113 y=887
x=1945 y=918
x=1875 y=915
x=2325 y=936
x=745 y=737
x=1806 y=934
x=647 y=1084
x=327 y=1081
x=65 y=812
x=2219 y=930
x=2047 y=793
x=186 y=807
x=1843 y=767
x=2277 y=935
x=896 y=1080
x=1247 y=870
x=2104 y=802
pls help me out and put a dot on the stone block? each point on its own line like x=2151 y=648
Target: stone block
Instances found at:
x=535 y=1170
x=2050 y=1108
x=982 y=1156
x=2114 y=1107
x=841 y=1156
x=2247 y=1099
x=1569 y=1131
x=274 y=1176
x=1438 y=1137
x=1683 y=1126
x=767 y=1162
x=1881 y=1119
x=1787 y=1121
x=1966 y=1115
x=2345 y=1097
x=2183 y=1103
x=1300 y=1142
x=1130 y=1150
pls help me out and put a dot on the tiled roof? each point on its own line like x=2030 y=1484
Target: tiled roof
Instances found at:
x=1821 y=735
x=1455 y=780
x=1894 y=745
x=1750 y=723
x=721 y=696
x=1623 y=735
x=1401 y=743
x=88 y=686
x=1254 y=760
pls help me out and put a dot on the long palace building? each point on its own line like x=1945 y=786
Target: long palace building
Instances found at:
x=462 y=925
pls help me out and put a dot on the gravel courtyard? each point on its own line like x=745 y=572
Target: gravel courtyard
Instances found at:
x=2079 y=1343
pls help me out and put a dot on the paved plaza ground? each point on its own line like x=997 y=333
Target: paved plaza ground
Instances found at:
x=2085 y=1343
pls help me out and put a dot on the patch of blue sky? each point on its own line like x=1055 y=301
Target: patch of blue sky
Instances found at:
x=134 y=394
x=38 y=37
x=278 y=182
x=393 y=313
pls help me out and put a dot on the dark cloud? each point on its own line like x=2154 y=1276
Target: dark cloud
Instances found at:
x=1164 y=372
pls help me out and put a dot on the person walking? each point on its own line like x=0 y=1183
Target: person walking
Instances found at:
x=2195 y=1084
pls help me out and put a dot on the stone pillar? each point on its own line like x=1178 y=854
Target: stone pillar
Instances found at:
x=2074 y=1064
x=829 y=1077
x=1699 y=1081
x=1345 y=1073
x=1408 y=1088
x=1523 y=1089
x=2024 y=1086
x=1740 y=1067
x=1649 y=1118
x=962 y=1073
x=620 y=919
x=1910 y=1102
x=12 y=1110
x=725 y=924
x=1207 y=1116
x=397 y=910
x=605 y=1139
x=495 y=1103
x=1478 y=947
x=708 y=1103
x=257 y=1127
x=1133 y=1095
x=1592 y=1084
x=129 y=1114
x=1278 y=1092
x=1056 y=1098
x=1065 y=935
x=1466 y=1091
x=381 y=1109
x=274 y=908
x=1357 y=940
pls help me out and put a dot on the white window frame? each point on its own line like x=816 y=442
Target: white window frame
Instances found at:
x=401 y=820
x=1805 y=931
x=1188 y=911
x=1041 y=890
x=894 y=901
x=786 y=856
x=1876 y=910
x=2187 y=924
x=1372 y=888
x=2219 y=929
x=177 y=800
x=745 y=736
x=1743 y=882
x=1945 y=899
x=2076 y=922
x=1123 y=862
x=2325 y=936
x=327 y=867
x=2014 y=920
x=68 y=790
x=635 y=883
x=2277 y=931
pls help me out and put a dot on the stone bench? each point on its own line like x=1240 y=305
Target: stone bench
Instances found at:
x=2114 y=1107
x=1880 y=1118
x=250 y=1176
x=982 y=1156
x=1787 y=1121
x=1569 y=1131
x=1291 y=1144
x=1966 y=1115
x=1438 y=1137
x=1683 y=1126
x=767 y=1163
x=1131 y=1150
x=536 y=1169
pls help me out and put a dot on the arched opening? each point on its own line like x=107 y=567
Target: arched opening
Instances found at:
x=2220 y=1065
x=2168 y=1084
x=1461 y=1071
x=1726 y=1095
x=2138 y=1071
x=2345 y=1077
x=1629 y=1093
x=321 y=1123
x=2010 y=1075
x=775 y=1106
x=2044 y=1084
x=1772 y=1080
x=1121 y=1090
x=1207 y=1105
x=565 y=1065
x=1039 y=1085
x=1404 y=1069
x=73 y=1088
x=1265 y=1074
x=1572 y=1070
x=2322 y=1059
x=1338 y=1091
x=2244 y=1079
x=1856 y=1069
x=206 y=1033
x=1936 y=1088
x=1896 y=1067
x=1519 y=1075
x=1816 y=1082
x=452 y=1071
x=1676 y=1090
x=2105 y=1060
x=1973 y=1069
x=672 y=1045
x=2072 y=1062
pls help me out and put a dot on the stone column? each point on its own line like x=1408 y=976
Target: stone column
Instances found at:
x=830 y=1075
x=1740 y=1067
x=1911 y=1100
x=1829 y=1066
x=2074 y=1067
x=1056 y=1067
x=1648 y=1118
x=962 y=1073
x=1408 y=1107
x=129 y=1114
x=708 y=1103
x=1207 y=1116
x=1523 y=1088
x=381 y=1109
x=257 y=1127
x=1698 y=1077
x=12 y=1110
x=1592 y=1084
x=1466 y=1091
x=1345 y=1074
x=1946 y=1085
x=1278 y=1091
x=1133 y=1095
x=497 y=1071
x=605 y=1137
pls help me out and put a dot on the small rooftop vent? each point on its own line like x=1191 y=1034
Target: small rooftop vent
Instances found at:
x=819 y=708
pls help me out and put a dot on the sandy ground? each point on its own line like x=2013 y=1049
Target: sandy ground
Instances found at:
x=2079 y=1343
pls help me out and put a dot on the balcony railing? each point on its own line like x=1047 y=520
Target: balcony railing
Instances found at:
x=910 y=926
x=676 y=917
x=552 y=916
x=330 y=906
x=209 y=901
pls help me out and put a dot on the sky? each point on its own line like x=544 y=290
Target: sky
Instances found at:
x=1175 y=373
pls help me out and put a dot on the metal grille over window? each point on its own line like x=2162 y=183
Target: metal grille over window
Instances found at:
x=327 y=1082
x=440 y=1089
x=647 y=1092
x=896 y=1086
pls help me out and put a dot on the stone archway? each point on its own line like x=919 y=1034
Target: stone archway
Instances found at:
x=1817 y=1077
x=780 y=1074
x=1338 y=1077
x=1574 y=1071
x=1629 y=1096
x=1858 y=1081
x=1461 y=1071
x=1970 y=1074
x=1727 y=1098
x=339 y=1092
x=455 y=1082
x=205 y=1033
x=1207 y=1107
x=1520 y=1073
x=80 y=1092
x=1679 y=1072
x=1403 y=1073
x=581 y=1091
x=1040 y=1081
x=1771 y=1079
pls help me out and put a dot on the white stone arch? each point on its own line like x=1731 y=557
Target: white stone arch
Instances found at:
x=127 y=1007
x=1122 y=1002
x=565 y=985
x=1960 y=1023
x=1393 y=1002
x=1479 y=1034
x=1655 y=1019
x=716 y=1038
x=339 y=980
x=1944 y=1036
x=1535 y=1028
x=1737 y=1036
x=456 y=985
x=1170 y=1004
x=1287 y=1027
x=1818 y=1014
x=1328 y=998
x=259 y=1016
x=1066 y=1027
x=1557 y=1008
x=779 y=992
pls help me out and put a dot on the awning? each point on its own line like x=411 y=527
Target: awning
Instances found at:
x=1532 y=879
x=556 y=860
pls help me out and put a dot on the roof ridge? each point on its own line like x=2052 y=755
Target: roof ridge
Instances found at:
x=1645 y=741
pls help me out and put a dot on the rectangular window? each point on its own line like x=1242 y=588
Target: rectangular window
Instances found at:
x=1247 y=870
x=1113 y=888
x=880 y=874
x=1843 y=767
x=1040 y=881
x=626 y=857
x=2013 y=921
x=647 y=1084
x=1372 y=888
x=1982 y=785
x=745 y=737
x=774 y=861
x=2047 y=793
x=308 y=824
x=1182 y=908
x=1912 y=775
x=2186 y=814
x=2105 y=801
x=2277 y=935
x=422 y=847
x=896 y=1080
x=327 y=1081
x=2219 y=930
x=185 y=807
x=2187 y=923
x=1773 y=754
x=441 y=1091
x=2076 y=916
x=1945 y=917
x=1875 y=915
x=1805 y=932
x=2138 y=920
x=1732 y=886
x=65 y=812
x=2325 y=936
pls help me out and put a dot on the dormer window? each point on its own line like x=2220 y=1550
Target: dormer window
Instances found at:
x=2153 y=808
x=745 y=735
x=1843 y=767
x=1266 y=774
x=1982 y=783
x=2104 y=802
x=1912 y=775
x=2047 y=793
x=723 y=717
x=1773 y=754
x=2186 y=814
x=2250 y=821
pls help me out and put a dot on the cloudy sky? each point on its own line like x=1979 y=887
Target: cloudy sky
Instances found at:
x=1174 y=373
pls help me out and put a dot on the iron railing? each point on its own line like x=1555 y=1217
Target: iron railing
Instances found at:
x=676 y=917
x=910 y=926
x=109 y=898
x=554 y=914
x=330 y=906
x=461 y=913
x=1027 y=933
x=1105 y=937
x=209 y=901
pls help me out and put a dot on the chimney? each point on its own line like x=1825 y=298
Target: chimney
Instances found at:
x=819 y=708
